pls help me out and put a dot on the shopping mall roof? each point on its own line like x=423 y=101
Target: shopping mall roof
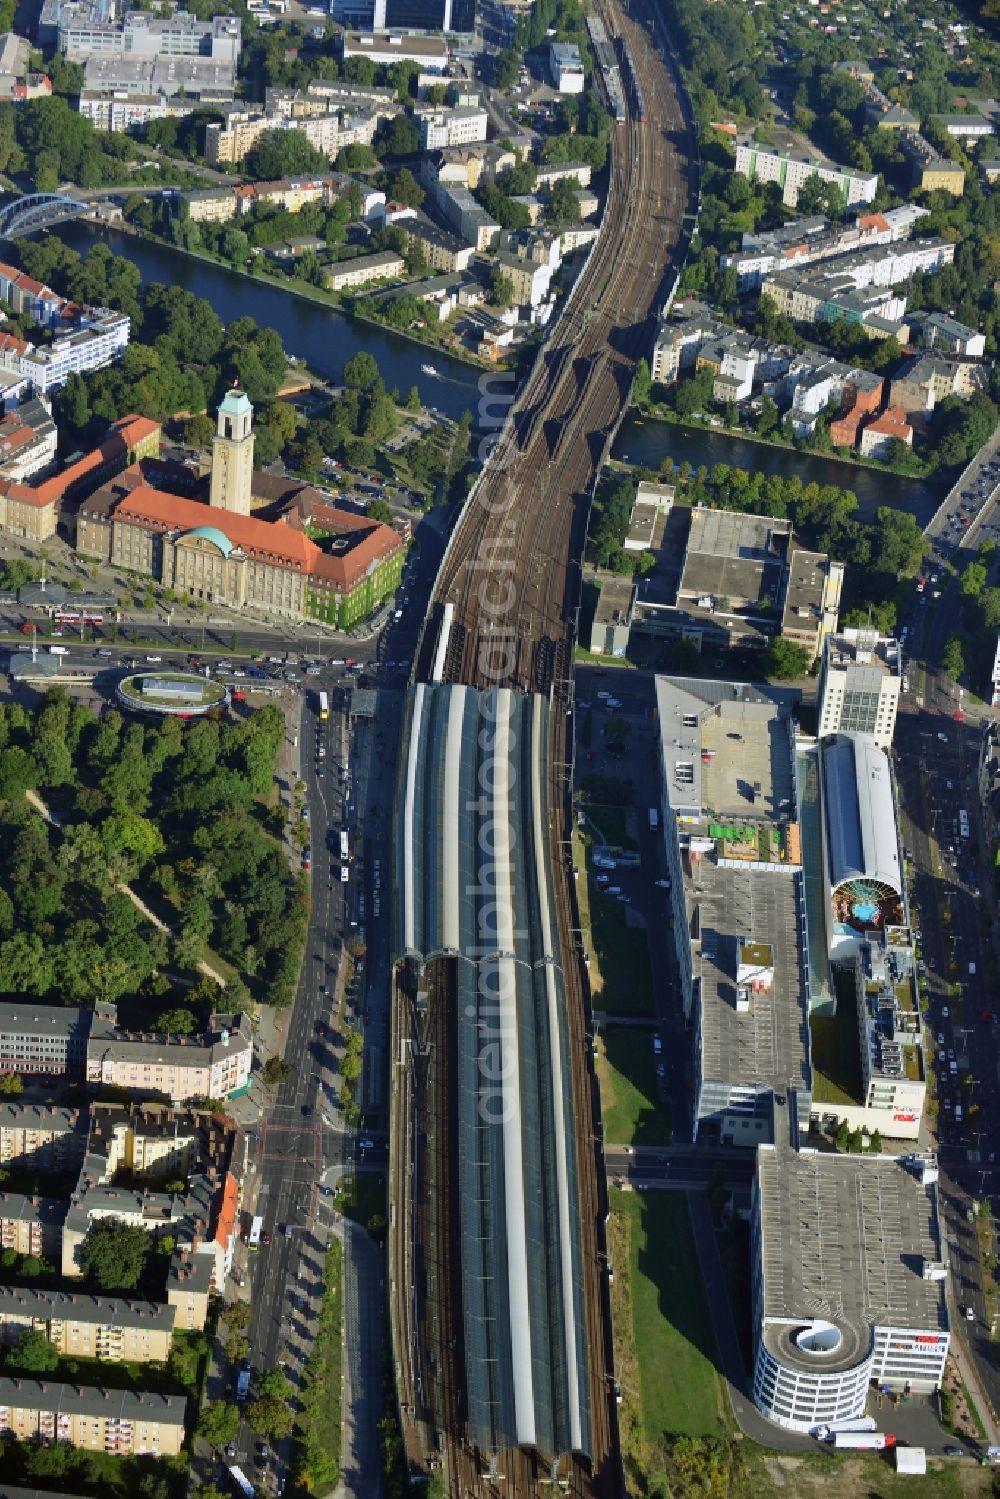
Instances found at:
x=859 y=813
x=845 y=1240
x=475 y=887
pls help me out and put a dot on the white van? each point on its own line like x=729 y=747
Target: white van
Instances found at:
x=972 y=970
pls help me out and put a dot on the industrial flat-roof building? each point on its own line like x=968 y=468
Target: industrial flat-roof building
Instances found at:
x=741 y=580
x=733 y=850
x=478 y=947
x=848 y=1282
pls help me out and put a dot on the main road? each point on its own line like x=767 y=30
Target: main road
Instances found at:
x=504 y=613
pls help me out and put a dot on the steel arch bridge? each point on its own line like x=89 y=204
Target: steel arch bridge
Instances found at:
x=34 y=211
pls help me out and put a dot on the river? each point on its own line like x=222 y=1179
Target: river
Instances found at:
x=325 y=339
x=649 y=442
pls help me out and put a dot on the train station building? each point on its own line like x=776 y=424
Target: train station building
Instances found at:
x=479 y=959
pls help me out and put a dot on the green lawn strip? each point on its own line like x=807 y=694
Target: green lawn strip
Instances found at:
x=630 y=1107
x=681 y=1388
x=318 y=1427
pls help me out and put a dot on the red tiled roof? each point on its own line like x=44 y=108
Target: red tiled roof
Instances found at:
x=891 y=423
x=127 y=431
x=876 y=221
x=12 y=342
x=229 y=1202
x=275 y=542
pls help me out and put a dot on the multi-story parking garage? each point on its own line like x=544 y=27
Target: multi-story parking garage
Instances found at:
x=495 y=1162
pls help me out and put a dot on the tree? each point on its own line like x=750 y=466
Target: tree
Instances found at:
x=953 y=657
x=501 y=287
x=269 y=1417
x=643 y=383
x=237 y=1315
x=33 y=1353
x=785 y=659
x=875 y=1144
x=362 y=373
x=75 y=401
x=114 y=1254
x=506 y=65
x=177 y=1022
x=219 y=1422
x=564 y=202
x=276 y=1071
x=284 y=153
x=11 y=1085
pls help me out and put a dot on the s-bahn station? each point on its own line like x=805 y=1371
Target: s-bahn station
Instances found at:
x=498 y=1319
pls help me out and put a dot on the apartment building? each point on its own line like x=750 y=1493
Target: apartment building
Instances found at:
x=530 y=281
x=28 y=441
x=41 y=1136
x=118 y=1422
x=949 y=336
x=547 y=176
x=879 y=435
x=464 y=215
x=214 y=1065
x=32 y=1225
x=63 y=1041
x=440 y=128
x=110 y=1328
x=792 y=168
x=229 y=142
x=929 y=170
x=972 y=127
x=442 y=251
x=46 y=1039
x=383 y=265
x=929 y=378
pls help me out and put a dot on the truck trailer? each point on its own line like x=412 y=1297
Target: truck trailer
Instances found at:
x=863 y=1441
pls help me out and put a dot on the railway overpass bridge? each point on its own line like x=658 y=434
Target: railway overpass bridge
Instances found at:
x=499 y=1293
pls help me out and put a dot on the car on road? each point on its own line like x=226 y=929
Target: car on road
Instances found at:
x=231 y=1449
x=969 y=1313
x=943 y=737
x=952 y=1451
x=265 y=1237
x=153 y=660
x=366 y=1143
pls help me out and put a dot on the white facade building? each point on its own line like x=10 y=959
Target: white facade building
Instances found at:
x=848 y=1283
x=793 y=171
x=441 y=128
x=859 y=685
x=566 y=67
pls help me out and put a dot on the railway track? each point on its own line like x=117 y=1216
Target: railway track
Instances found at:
x=522 y=534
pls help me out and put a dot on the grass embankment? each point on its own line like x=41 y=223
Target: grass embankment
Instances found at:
x=661 y=1292
x=318 y=1427
x=630 y=1104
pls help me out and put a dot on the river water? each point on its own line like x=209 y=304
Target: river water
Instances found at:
x=325 y=339
x=649 y=442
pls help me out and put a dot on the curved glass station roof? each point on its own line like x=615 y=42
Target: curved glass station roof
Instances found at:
x=474 y=886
